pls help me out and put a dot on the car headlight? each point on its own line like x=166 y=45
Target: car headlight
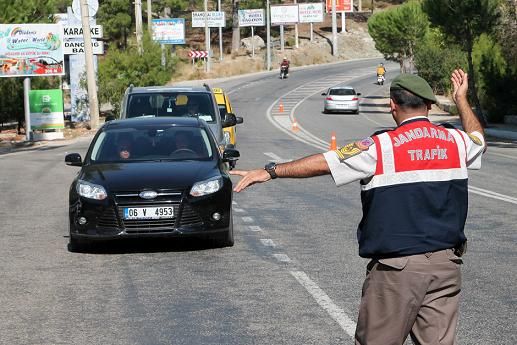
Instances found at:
x=206 y=187
x=91 y=191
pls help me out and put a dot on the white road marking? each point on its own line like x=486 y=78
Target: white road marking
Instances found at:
x=276 y=158
x=268 y=242
x=234 y=203
x=325 y=302
x=282 y=257
x=247 y=219
x=493 y=195
x=255 y=228
x=239 y=210
x=501 y=155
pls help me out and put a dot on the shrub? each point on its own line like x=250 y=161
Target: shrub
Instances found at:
x=435 y=61
x=118 y=69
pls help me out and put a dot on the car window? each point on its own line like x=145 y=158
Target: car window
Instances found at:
x=342 y=92
x=222 y=110
x=171 y=104
x=152 y=143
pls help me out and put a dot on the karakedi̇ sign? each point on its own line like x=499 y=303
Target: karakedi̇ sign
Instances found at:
x=251 y=18
x=31 y=50
x=46 y=109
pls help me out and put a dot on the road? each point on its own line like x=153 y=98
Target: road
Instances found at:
x=293 y=276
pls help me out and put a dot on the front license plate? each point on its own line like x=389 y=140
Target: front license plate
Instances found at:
x=148 y=212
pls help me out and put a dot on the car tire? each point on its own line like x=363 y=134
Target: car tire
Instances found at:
x=325 y=111
x=226 y=239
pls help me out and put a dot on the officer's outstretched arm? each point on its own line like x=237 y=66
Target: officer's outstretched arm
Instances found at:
x=309 y=166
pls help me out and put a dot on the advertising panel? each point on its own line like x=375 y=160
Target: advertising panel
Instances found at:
x=28 y=50
x=284 y=14
x=251 y=18
x=169 y=31
x=215 y=19
x=341 y=6
x=311 y=12
x=46 y=109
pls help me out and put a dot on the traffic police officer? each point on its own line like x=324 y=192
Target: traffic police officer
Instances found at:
x=414 y=194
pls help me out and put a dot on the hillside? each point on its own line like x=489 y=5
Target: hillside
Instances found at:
x=353 y=44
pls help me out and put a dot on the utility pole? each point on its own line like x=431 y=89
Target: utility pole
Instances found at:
x=138 y=21
x=90 y=72
x=207 y=37
x=296 y=33
x=149 y=17
x=268 y=37
x=220 y=33
x=334 y=29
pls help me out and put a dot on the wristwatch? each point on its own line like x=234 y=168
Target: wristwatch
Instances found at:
x=270 y=168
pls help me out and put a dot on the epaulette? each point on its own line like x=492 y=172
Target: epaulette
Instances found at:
x=382 y=131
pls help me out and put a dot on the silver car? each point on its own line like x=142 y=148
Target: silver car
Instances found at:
x=341 y=99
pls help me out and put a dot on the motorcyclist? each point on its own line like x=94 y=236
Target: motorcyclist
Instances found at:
x=381 y=71
x=285 y=64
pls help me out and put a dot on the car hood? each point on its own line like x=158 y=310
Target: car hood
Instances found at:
x=149 y=175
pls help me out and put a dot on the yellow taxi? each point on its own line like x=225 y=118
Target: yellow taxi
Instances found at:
x=224 y=105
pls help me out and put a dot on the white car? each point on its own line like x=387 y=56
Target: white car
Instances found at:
x=341 y=99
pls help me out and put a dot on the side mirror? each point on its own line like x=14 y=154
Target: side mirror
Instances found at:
x=324 y=94
x=229 y=120
x=239 y=120
x=358 y=94
x=230 y=155
x=73 y=159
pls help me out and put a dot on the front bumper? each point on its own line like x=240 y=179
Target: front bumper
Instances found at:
x=192 y=217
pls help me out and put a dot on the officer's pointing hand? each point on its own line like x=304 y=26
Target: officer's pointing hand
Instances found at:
x=250 y=177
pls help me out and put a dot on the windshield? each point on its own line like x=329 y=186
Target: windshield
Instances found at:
x=171 y=104
x=152 y=143
x=342 y=92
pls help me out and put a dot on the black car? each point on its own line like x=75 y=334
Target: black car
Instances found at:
x=151 y=177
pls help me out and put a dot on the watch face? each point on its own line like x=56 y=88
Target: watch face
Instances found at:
x=270 y=165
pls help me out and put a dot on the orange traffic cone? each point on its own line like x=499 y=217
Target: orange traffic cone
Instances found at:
x=281 y=107
x=333 y=145
x=294 y=127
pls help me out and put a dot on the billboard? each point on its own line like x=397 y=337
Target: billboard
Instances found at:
x=251 y=18
x=169 y=31
x=284 y=14
x=311 y=12
x=215 y=19
x=46 y=109
x=341 y=6
x=28 y=50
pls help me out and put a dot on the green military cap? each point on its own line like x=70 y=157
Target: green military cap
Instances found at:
x=415 y=85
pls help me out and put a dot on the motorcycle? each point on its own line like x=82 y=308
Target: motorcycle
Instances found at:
x=283 y=72
x=380 y=79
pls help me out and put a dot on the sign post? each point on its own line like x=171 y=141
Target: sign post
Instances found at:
x=311 y=13
x=284 y=15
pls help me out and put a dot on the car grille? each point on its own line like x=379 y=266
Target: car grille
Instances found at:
x=108 y=219
x=184 y=214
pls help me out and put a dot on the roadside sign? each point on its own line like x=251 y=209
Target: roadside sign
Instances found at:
x=169 y=31
x=28 y=50
x=215 y=19
x=311 y=12
x=77 y=47
x=46 y=109
x=76 y=31
x=341 y=6
x=284 y=14
x=251 y=18
x=194 y=54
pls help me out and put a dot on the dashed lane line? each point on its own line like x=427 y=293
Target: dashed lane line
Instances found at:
x=493 y=195
x=267 y=242
x=247 y=219
x=336 y=313
x=255 y=228
x=282 y=257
